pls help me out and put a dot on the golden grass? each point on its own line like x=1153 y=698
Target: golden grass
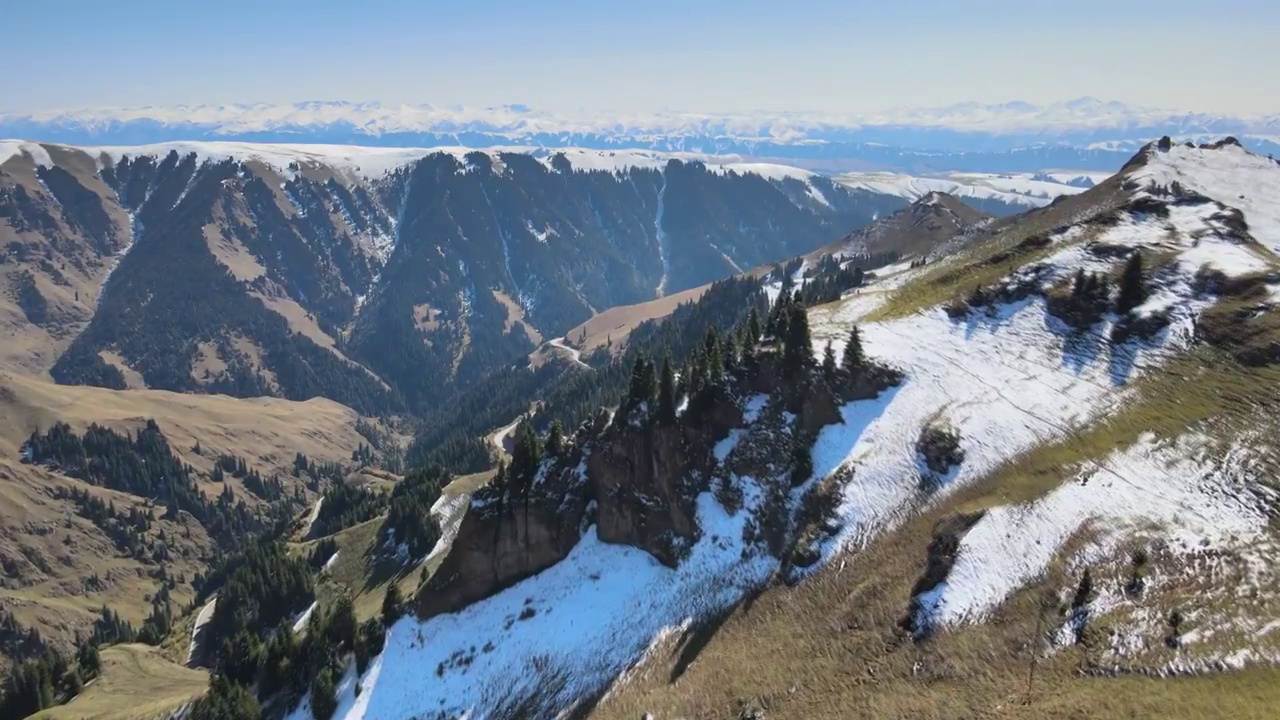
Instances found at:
x=137 y=683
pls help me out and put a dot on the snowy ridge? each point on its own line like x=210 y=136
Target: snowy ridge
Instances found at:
x=1020 y=189
x=375 y=119
x=17 y=148
x=376 y=162
x=1008 y=382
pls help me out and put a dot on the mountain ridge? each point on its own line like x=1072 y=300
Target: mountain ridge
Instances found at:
x=1082 y=134
x=369 y=275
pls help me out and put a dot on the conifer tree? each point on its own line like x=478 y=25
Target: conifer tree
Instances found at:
x=225 y=699
x=1133 y=289
x=525 y=456
x=829 y=363
x=391 y=604
x=753 y=328
x=715 y=362
x=853 y=360
x=798 y=347
x=555 y=439
x=343 y=623
x=323 y=701
x=667 y=393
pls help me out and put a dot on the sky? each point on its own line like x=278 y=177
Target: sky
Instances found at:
x=840 y=56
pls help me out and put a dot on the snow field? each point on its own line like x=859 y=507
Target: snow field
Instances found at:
x=585 y=619
x=1014 y=188
x=1176 y=490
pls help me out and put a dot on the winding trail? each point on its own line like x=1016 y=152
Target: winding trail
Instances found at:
x=574 y=353
x=499 y=437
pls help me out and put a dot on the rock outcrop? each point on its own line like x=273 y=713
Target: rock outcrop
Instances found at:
x=504 y=539
x=638 y=479
x=645 y=478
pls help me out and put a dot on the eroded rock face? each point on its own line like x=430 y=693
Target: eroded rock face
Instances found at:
x=636 y=481
x=643 y=478
x=504 y=539
x=646 y=479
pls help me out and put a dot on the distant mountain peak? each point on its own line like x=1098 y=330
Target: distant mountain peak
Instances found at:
x=1085 y=132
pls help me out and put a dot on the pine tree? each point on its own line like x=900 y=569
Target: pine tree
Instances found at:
x=323 y=701
x=780 y=326
x=829 y=363
x=555 y=439
x=1133 y=289
x=753 y=328
x=798 y=346
x=525 y=457
x=391 y=604
x=667 y=393
x=343 y=623
x=73 y=682
x=854 y=359
x=715 y=361
x=1078 y=285
x=88 y=660
x=643 y=387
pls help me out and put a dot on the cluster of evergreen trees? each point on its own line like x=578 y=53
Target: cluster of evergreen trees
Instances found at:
x=317 y=473
x=287 y=665
x=49 y=680
x=1091 y=294
x=266 y=588
x=128 y=530
x=830 y=278
x=44 y=677
x=409 y=521
x=145 y=466
x=268 y=489
x=345 y=505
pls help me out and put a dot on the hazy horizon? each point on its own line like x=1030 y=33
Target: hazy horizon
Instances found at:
x=817 y=56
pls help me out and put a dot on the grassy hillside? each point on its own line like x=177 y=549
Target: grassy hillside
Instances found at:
x=137 y=683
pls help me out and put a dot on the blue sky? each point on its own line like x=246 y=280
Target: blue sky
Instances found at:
x=814 y=55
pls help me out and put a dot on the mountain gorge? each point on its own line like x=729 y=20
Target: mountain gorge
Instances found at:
x=383 y=292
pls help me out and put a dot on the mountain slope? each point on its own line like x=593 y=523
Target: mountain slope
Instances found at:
x=370 y=275
x=1068 y=485
x=926 y=226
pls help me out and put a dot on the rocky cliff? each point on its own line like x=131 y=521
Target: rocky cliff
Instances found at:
x=637 y=480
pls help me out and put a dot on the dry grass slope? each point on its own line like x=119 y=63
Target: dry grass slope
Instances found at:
x=136 y=684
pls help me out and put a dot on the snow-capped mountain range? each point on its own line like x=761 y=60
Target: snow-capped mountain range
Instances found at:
x=1084 y=133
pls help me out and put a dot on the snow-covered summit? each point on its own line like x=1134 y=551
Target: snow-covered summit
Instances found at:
x=374 y=162
x=970 y=136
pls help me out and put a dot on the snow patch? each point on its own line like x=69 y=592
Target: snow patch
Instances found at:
x=16 y=148
x=1192 y=499
x=1231 y=175
x=583 y=620
x=301 y=621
